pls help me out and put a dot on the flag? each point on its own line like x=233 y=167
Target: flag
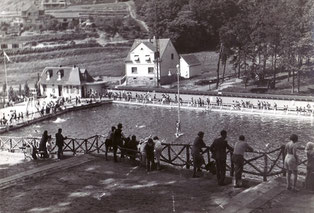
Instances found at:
x=6 y=56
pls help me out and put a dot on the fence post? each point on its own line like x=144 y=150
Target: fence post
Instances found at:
x=86 y=149
x=188 y=156
x=169 y=154
x=73 y=144
x=265 y=167
x=97 y=147
x=283 y=160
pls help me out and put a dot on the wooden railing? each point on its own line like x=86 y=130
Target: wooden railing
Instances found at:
x=258 y=164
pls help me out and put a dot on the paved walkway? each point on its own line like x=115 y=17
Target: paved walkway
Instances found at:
x=88 y=183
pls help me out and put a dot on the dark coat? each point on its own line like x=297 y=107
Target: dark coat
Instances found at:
x=219 y=147
x=59 y=140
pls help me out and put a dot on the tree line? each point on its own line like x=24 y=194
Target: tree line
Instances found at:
x=261 y=38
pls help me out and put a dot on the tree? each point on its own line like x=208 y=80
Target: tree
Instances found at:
x=20 y=90
x=11 y=94
x=26 y=89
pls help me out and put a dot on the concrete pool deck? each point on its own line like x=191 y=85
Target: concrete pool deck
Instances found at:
x=88 y=183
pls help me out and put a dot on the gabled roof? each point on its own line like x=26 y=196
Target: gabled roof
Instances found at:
x=151 y=44
x=191 y=59
x=71 y=76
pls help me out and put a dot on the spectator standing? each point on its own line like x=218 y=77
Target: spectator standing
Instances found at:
x=291 y=162
x=117 y=141
x=218 y=149
x=158 y=150
x=109 y=140
x=60 y=143
x=309 y=179
x=149 y=150
x=43 y=144
x=238 y=158
x=132 y=145
x=198 y=159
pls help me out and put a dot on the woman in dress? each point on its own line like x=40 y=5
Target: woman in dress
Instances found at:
x=291 y=162
x=309 y=179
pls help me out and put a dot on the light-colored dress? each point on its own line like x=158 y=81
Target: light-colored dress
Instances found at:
x=291 y=163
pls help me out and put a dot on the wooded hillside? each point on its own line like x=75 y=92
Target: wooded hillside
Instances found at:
x=261 y=37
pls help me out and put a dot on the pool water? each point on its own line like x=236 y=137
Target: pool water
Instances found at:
x=143 y=121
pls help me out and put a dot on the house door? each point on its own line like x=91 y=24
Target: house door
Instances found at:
x=83 y=92
x=60 y=90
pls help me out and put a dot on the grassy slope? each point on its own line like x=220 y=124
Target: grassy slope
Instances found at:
x=99 y=61
x=12 y=5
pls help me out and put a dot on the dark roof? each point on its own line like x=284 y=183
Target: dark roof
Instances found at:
x=151 y=44
x=71 y=76
x=191 y=60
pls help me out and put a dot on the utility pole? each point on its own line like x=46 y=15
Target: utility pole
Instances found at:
x=157 y=53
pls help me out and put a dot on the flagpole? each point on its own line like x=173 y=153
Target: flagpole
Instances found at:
x=6 y=78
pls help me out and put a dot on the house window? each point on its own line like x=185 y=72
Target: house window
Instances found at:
x=60 y=74
x=147 y=57
x=137 y=58
x=150 y=70
x=78 y=90
x=44 y=88
x=15 y=46
x=4 y=46
x=53 y=88
x=49 y=74
x=151 y=79
x=134 y=78
x=172 y=56
x=67 y=89
x=134 y=70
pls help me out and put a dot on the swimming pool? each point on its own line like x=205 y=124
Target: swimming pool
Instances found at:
x=142 y=121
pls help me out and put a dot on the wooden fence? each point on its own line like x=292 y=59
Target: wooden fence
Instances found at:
x=259 y=164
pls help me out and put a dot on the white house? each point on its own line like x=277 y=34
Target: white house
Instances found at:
x=141 y=62
x=190 y=66
x=68 y=82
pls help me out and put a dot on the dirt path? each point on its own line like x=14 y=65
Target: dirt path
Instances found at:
x=133 y=15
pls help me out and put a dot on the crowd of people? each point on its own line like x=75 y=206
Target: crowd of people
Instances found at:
x=149 y=148
x=219 y=149
x=206 y=102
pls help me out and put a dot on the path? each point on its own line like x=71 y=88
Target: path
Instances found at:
x=105 y=186
x=133 y=15
x=88 y=183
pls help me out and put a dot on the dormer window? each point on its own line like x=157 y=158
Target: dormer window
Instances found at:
x=48 y=75
x=136 y=58
x=60 y=74
x=147 y=57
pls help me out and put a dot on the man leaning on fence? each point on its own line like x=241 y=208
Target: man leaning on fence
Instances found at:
x=218 y=149
x=60 y=143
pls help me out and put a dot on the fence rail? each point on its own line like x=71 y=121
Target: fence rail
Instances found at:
x=259 y=164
